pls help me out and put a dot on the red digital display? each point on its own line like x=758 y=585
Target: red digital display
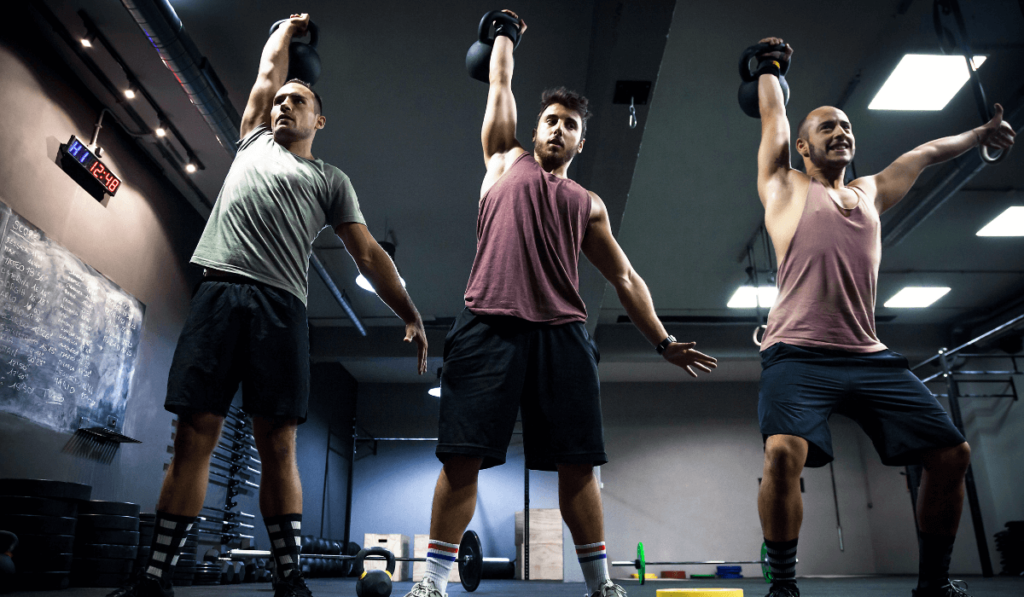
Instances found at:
x=81 y=154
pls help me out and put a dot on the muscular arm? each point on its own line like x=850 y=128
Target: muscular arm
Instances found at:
x=498 y=135
x=272 y=74
x=892 y=184
x=773 y=160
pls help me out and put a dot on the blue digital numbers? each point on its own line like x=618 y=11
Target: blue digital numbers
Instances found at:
x=79 y=151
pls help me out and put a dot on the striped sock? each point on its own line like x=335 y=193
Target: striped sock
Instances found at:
x=441 y=557
x=168 y=538
x=782 y=559
x=594 y=562
x=284 y=531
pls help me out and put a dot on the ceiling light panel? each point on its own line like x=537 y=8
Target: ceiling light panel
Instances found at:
x=748 y=297
x=916 y=297
x=923 y=82
x=1008 y=223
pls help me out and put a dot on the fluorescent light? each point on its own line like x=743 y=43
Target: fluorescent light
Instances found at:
x=190 y=168
x=435 y=392
x=129 y=93
x=86 y=42
x=923 y=82
x=748 y=297
x=160 y=131
x=1008 y=223
x=916 y=297
x=363 y=283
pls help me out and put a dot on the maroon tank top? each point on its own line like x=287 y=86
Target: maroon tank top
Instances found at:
x=529 y=231
x=828 y=278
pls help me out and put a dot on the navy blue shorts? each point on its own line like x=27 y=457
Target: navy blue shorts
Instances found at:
x=242 y=332
x=801 y=388
x=495 y=366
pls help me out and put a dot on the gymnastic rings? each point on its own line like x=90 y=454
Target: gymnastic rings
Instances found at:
x=757 y=329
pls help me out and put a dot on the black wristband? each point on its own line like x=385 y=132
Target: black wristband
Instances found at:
x=768 y=67
x=509 y=30
x=664 y=343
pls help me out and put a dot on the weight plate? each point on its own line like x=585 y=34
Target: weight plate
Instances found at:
x=471 y=561
x=22 y=524
x=110 y=537
x=23 y=504
x=766 y=569
x=111 y=508
x=99 y=579
x=105 y=550
x=102 y=566
x=642 y=561
x=45 y=488
x=45 y=544
x=107 y=522
x=35 y=581
x=52 y=562
x=697 y=592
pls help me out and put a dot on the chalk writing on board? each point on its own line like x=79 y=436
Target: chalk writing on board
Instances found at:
x=69 y=337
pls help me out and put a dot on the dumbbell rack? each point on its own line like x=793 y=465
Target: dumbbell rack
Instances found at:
x=238 y=451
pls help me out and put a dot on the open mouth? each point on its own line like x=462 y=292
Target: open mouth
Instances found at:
x=840 y=147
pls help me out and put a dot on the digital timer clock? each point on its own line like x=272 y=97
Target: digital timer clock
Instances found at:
x=86 y=169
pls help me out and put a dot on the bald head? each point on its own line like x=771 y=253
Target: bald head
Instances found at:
x=825 y=139
x=816 y=116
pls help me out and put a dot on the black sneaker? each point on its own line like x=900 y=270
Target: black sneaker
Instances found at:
x=783 y=589
x=143 y=585
x=952 y=588
x=293 y=586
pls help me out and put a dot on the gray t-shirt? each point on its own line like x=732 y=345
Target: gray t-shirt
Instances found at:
x=271 y=207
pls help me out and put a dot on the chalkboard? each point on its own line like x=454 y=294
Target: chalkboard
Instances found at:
x=69 y=337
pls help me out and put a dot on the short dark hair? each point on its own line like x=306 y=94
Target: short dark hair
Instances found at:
x=309 y=86
x=571 y=100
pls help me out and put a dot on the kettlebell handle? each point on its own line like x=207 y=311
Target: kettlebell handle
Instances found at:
x=484 y=30
x=377 y=551
x=311 y=29
x=745 y=72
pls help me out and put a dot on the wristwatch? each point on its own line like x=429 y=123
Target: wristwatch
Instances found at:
x=664 y=343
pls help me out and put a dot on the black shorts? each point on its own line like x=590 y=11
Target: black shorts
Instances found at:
x=242 y=332
x=494 y=366
x=801 y=387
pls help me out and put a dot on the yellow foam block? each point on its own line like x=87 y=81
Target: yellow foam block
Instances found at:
x=695 y=592
x=647 y=576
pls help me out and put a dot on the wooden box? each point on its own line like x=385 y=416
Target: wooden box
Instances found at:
x=545 y=526
x=420 y=543
x=396 y=544
x=545 y=544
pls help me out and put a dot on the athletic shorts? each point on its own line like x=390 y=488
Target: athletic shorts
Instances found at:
x=242 y=331
x=495 y=366
x=801 y=387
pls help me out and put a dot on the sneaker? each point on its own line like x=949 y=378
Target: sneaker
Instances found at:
x=293 y=586
x=952 y=588
x=783 y=589
x=425 y=588
x=609 y=589
x=144 y=585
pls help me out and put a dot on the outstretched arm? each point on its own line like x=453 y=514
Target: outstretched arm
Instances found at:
x=601 y=248
x=773 y=165
x=892 y=184
x=498 y=135
x=376 y=265
x=272 y=74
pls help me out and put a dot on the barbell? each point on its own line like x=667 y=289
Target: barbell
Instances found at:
x=470 y=559
x=641 y=563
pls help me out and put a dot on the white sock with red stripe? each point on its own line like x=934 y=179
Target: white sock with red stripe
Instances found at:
x=441 y=557
x=594 y=562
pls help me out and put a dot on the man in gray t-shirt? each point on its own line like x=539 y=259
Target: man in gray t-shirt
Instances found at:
x=247 y=320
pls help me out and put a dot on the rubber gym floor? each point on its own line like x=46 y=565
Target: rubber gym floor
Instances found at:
x=999 y=586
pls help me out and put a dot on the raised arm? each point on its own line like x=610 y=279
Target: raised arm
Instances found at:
x=601 y=248
x=890 y=185
x=498 y=135
x=377 y=267
x=272 y=74
x=773 y=160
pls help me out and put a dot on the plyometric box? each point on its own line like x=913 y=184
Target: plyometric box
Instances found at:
x=396 y=544
x=420 y=543
x=545 y=544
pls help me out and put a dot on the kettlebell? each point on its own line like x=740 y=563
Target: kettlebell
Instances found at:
x=303 y=60
x=375 y=583
x=748 y=88
x=478 y=58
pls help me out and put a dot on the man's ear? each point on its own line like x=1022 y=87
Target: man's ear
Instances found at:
x=579 y=148
x=321 y=121
x=802 y=147
x=534 y=138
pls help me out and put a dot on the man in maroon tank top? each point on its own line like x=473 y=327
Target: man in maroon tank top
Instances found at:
x=820 y=352
x=521 y=342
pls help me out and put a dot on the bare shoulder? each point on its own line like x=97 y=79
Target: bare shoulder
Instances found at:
x=497 y=166
x=598 y=211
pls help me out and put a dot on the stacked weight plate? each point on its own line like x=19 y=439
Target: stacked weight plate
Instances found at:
x=185 y=570
x=42 y=514
x=106 y=544
x=147 y=524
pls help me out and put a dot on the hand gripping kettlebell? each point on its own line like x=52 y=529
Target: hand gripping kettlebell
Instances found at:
x=303 y=60
x=478 y=58
x=375 y=583
x=748 y=88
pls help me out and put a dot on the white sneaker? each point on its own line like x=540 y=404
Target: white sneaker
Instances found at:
x=426 y=588
x=609 y=589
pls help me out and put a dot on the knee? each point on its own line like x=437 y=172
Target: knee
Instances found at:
x=575 y=474
x=461 y=470
x=784 y=457
x=954 y=459
x=276 y=447
x=196 y=436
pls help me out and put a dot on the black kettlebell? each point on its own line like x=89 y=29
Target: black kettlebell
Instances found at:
x=375 y=583
x=748 y=88
x=478 y=58
x=303 y=60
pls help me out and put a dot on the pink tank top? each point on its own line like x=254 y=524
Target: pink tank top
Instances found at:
x=529 y=231
x=828 y=278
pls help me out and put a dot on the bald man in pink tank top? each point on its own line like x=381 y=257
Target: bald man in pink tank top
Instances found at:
x=820 y=353
x=521 y=344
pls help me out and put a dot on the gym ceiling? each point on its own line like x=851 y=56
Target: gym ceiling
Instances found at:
x=403 y=120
